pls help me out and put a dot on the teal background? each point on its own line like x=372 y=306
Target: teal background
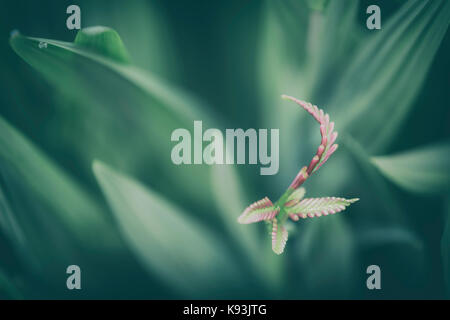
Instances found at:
x=387 y=91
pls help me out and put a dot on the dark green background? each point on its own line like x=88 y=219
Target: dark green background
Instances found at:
x=238 y=57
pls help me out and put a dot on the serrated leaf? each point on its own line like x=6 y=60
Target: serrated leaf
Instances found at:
x=259 y=211
x=422 y=170
x=185 y=254
x=316 y=207
x=279 y=237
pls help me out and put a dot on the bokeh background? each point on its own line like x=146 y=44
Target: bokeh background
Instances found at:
x=85 y=170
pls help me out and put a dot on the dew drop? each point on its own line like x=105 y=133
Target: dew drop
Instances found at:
x=42 y=45
x=14 y=33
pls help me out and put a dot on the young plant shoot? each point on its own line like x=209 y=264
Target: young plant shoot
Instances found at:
x=292 y=204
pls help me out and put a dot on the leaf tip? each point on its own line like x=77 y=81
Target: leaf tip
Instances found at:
x=103 y=40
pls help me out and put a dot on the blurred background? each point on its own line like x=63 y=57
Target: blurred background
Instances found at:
x=85 y=170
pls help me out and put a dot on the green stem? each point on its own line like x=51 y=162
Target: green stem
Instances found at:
x=283 y=215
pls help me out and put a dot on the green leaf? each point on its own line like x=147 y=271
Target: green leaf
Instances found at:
x=230 y=199
x=280 y=71
x=279 y=237
x=8 y=222
x=144 y=29
x=185 y=254
x=104 y=41
x=50 y=220
x=445 y=246
x=392 y=235
x=30 y=175
x=423 y=170
x=259 y=211
x=386 y=201
x=332 y=36
x=297 y=195
x=379 y=87
x=102 y=100
x=326 y=258
x=301 y=53
x=8 y=290
x=316 y=207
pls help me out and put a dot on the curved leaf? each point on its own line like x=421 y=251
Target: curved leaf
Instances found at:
x=423 y=170
x=388 y=203
x=113 y=100
x=104 y=41
x=297 y=195
x=8 y=222
x=23 y=166
x=325 y=245
x=144 y=29
x=184 y=253
x=50 y=221
x=259 y=211
x=388 y=72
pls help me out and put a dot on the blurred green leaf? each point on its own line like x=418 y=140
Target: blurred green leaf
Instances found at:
x=387 y=203
x=326 y=252
x=7 y=289
x=231 y=201
x=380 y=236
x=301 y=55
x=49 y=220
x=184 y=253
x=445 y=246
x=22 y=164
x=388 y=72
x=423 y=170
x=111 y=99
x=104 y=41
x=282 y=52
x=8 y=222
x=332 y=36
x=144 y=29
